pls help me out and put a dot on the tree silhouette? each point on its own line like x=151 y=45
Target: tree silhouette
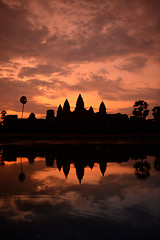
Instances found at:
x=23 y=100
x=156 y=113
x=140 y=109
x=32 y=116
x=3 y=114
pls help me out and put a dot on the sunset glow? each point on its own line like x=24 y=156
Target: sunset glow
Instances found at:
x=53 y=50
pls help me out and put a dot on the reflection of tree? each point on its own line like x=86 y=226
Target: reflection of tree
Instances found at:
x=82 y=157
x=156 y=113
x=142 y=169
x=2 y=163
x=157 y=164
x=21 y=176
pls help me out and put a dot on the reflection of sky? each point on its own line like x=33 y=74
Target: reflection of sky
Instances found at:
x=45 y=195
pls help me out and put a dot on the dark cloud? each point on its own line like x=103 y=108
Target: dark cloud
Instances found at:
x=98 y=83
x=105 y=30
x=18 y=36
x=114 y=90
x=59 y=34
x=116 y=30
x=133 y=64
x=44 y=70
x=38 y=70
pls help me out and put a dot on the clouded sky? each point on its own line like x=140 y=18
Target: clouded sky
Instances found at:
x=104 y=49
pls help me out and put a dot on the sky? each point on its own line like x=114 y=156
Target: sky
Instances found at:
x=107 y=50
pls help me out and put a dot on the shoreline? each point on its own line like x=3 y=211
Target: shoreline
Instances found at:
x=50 y=138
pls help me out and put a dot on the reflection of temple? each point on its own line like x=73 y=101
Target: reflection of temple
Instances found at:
x=79 y=170
x=83 y=155
x=66 y=168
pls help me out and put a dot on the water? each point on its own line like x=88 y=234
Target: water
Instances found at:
x=79 y=191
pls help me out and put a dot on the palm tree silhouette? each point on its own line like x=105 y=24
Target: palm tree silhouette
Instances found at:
x=23 y=100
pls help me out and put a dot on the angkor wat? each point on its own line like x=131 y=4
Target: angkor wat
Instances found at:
x=82 y=120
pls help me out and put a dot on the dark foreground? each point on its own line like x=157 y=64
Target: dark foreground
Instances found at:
x=79 y=189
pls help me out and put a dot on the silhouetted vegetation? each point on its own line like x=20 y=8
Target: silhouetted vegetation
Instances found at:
x=156 y=113
x=23 y=100
x=3 y=114
x=32 y=116
x=142 y=169
x=81 y=120
x=140 y=109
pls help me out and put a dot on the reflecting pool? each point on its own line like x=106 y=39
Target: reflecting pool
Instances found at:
x=79 y=191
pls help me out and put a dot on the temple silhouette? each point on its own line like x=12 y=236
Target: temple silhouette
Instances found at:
x=82 y=120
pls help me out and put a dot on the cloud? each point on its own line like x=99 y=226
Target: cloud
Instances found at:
x=133 y=64
x=123 y=193
x=55 y=35
x=12 y=90
x=38 y=70
x=115 y=90
x=102 y=30
x=107 y=89
x=18 y=37
x=99 y=83
x=45 y=70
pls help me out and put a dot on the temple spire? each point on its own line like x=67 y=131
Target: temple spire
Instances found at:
x=66 y=106
x=102 y=108
x=79 y=104
x=59 y=111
